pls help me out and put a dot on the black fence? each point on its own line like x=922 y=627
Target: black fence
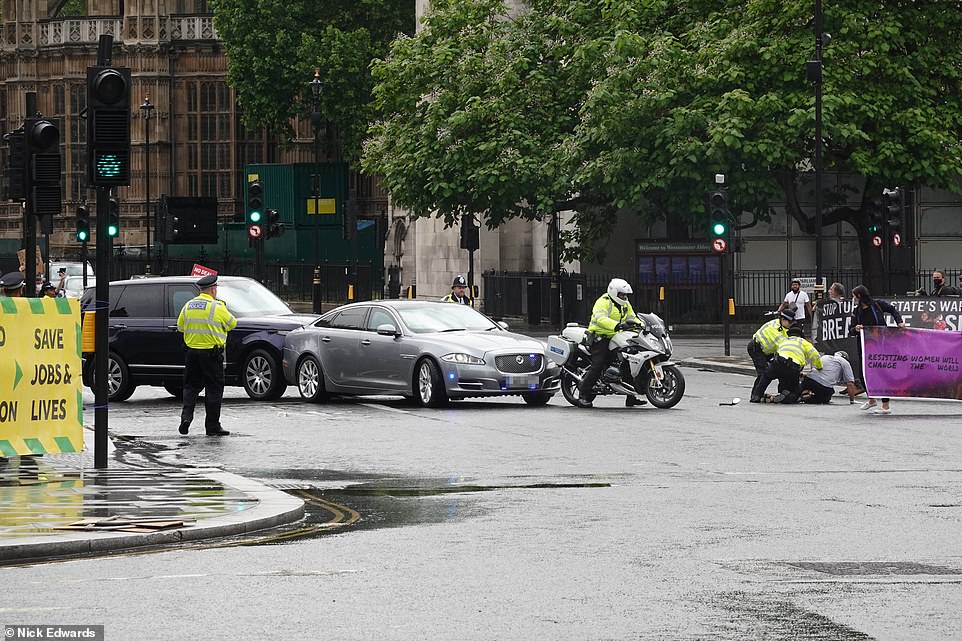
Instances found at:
x=527 y=295
x=290 y=281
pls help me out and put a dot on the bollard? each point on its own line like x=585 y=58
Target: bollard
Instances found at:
x=317 y=290
x=350 y=292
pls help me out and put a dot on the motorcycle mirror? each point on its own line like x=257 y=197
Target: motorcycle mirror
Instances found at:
x=735 y=401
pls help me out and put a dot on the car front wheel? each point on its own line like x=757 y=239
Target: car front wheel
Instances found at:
x=310 y=380
x=428 y=386
x=262 y=377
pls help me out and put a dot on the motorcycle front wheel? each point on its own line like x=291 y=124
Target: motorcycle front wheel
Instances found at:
x=569 y=387
x=671 y=390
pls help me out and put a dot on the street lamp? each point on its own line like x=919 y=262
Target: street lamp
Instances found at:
x=148 y=110
x=316 y=85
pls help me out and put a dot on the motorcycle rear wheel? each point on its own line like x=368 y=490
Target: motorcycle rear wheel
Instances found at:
x=671 y=390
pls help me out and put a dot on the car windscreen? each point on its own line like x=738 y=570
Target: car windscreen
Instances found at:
x=440 y=317
x=250 y=298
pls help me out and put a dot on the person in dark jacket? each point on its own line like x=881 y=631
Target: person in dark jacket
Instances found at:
x=869 y=312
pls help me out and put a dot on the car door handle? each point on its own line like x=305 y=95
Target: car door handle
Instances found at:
x=326 y=339
x=120 y=326
x=366 y=341
x=173 y=327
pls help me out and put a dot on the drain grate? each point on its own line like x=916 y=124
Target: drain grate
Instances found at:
x=875 y=568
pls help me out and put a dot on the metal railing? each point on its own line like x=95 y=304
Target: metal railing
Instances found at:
x=526 y=294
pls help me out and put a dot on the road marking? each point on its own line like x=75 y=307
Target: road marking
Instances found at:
x=384 y=407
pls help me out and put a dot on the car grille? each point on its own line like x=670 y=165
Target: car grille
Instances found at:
x=508 y=363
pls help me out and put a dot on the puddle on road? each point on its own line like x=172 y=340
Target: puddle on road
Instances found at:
x=387 y=503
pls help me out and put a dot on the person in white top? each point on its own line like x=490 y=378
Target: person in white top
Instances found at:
x=798 y=298
x=818 y=385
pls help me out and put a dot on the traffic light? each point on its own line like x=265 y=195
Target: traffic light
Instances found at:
x=718 y=217
x=42 y=147
x=874 y=217
x=83 y=223
x=255 y=208
x=113 y=216
x=470 y=233
x=108 y=126
x=16 y=164
x=892 y=209
x=274 y=227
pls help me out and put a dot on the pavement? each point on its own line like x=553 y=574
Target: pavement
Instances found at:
x=39 y=496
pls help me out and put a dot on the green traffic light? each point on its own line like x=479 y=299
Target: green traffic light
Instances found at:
x=255 y=216
x=718 y=229
x=112 y=230
x=82 y=236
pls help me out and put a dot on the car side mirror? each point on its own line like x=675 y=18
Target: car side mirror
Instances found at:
x=387 y=329
x=502 y=325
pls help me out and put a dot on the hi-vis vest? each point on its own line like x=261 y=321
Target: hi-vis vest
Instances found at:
x=769 y=336
x=205 y=322
x=606 y=315
x=799 y=350
x=451 y=298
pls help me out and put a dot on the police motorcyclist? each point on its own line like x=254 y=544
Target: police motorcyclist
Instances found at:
x=458 y=293
x=611 y=312
x=764 y=344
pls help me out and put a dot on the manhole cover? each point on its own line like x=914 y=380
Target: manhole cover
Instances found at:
x=880 y=568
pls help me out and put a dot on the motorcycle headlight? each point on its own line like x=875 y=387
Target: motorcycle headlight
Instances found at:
x=462 y=359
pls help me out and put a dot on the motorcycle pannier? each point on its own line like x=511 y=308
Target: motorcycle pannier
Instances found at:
x=560 y=350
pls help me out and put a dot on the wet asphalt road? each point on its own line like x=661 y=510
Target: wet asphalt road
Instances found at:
x=493 y=520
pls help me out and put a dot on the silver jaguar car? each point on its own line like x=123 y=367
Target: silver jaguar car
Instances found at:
x=430 y=352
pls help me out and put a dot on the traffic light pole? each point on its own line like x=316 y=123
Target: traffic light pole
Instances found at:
x=101 y=306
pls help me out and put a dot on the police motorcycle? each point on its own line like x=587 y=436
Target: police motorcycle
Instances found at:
x=643 y=350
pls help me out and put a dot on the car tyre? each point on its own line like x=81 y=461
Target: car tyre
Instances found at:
x=536 y=399
x=119 y=385
x=428 y=386
x=310 y=380
x=262 y=377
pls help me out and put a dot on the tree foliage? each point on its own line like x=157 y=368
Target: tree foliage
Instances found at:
x=635 y=104
x=273 y=47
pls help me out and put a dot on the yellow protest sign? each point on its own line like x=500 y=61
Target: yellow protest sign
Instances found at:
x=41 y=398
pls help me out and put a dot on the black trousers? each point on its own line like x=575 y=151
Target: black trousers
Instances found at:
x=787 y=372
x=204 y=370
x=600 y=357
x=820 y=393
x=760 y=360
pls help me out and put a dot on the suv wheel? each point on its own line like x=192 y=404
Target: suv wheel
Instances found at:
x=119 y=387
x=262 y=377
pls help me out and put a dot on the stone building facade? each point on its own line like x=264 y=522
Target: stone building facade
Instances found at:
x=198 y=144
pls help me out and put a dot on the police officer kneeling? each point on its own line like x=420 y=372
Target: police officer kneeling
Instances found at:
x=792 y=354
x=205 y=321
x=763 y=346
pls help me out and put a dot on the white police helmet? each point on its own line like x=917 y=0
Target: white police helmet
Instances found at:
x=618 y=290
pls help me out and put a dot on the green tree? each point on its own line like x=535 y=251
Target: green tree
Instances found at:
x=273 y=47
x=632 y=105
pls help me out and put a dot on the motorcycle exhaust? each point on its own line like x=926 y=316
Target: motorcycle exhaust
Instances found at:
x=621 y=389
x=575 y=375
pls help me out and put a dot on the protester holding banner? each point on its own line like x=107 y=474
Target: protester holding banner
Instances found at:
x=939 y=287
x=871 y=313
x=836 y=292
x=818 y=385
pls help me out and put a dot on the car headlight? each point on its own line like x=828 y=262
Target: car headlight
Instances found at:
x=462 y=359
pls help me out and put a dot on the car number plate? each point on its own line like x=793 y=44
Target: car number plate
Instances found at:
x=520 y=380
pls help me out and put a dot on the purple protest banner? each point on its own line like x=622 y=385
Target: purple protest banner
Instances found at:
x=912 y=363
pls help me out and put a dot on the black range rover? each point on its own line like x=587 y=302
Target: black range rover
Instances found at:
x=146 y=348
